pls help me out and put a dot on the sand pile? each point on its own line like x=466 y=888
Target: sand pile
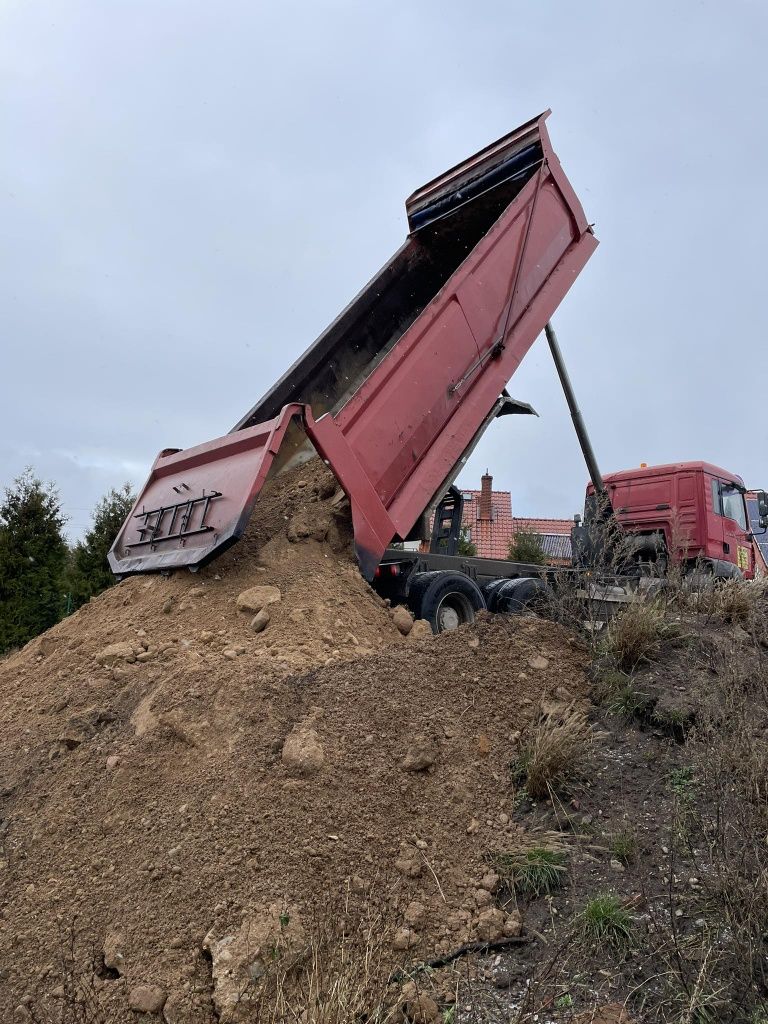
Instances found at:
x=185 y=784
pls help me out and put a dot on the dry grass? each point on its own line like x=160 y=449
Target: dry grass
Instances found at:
x=637 y=634
x=534 y=865
x=341 y=978
x=732 y=601
x=554 y=751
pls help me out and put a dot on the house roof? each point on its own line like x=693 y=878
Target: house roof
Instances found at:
x=492 y=536
x=561 y=527
x=556 y=545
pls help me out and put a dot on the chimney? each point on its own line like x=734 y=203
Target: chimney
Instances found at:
x=486 y=505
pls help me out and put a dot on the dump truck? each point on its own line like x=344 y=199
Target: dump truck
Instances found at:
x=692 y=514
x=397 y=391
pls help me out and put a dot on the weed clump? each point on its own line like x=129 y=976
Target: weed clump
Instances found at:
x=623 y=846
x=536 y=873
x=637 y=634
x=605 y=925
x=535 y=866
x=554 y=752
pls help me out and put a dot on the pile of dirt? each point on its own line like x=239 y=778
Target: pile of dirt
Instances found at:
x=191 y=763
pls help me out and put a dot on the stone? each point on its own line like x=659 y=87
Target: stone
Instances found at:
x=404 y=938
x=238 y=957
x=608 y=1013
x=112 y=762
x=302 y=751
x=260 y=621
x=419 y=1007
x=177 y=1009
x=300 y=527
x=490 y=881
x=229 y=654
x=473 y=826
x=115 y=653
x=409 y=862
x=146 y=999
x=415 y=914
x=420 y=755
x=403 y=619
x=490 y=925
x=617 y=866
x=508 y=975
x=114 y=958
x=539 y=662
x=256 y=598
x=206 y=636
x=47 y=645
x=513 y=924
x=420 y=630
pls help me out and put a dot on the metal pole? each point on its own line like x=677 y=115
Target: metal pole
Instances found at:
x=578 y=420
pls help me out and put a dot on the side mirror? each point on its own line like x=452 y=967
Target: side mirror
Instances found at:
x=762 y=508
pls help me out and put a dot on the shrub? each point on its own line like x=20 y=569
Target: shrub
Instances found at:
x=526 y=547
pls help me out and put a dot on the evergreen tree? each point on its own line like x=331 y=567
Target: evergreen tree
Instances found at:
x=89 y=571
x=466 y=547
x=526 y=547
x=33 y=556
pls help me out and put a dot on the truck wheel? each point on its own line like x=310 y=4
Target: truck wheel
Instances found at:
x=491 y=591
x=446 y=600
x=514 y=596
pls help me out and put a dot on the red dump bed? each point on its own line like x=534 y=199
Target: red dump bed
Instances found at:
x=398 y=388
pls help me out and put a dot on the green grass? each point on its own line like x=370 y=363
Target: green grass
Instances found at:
x=626 y=702
x=534 y=872
x=605 y=924
x=682 y=782
x=623 y=846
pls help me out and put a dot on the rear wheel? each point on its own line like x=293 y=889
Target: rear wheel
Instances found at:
x=446 y=600
x=510 y=597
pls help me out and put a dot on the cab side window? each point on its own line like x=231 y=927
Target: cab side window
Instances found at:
x=728 y=501
x=717 y=505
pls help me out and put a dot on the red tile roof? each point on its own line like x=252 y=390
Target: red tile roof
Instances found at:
x=562 y=527
x=492 y=537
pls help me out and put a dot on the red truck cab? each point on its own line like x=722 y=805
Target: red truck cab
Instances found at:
x=691 y=512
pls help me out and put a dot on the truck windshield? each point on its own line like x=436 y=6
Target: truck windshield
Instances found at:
x=732 y=505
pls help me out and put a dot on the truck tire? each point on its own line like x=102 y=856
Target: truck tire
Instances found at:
x=446 y=600
x=514 y=596
x=490 y=590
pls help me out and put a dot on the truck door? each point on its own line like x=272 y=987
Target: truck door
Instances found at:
x=728 y=505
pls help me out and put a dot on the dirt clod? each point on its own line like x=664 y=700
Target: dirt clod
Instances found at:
x=256 y=598
x=146 y=999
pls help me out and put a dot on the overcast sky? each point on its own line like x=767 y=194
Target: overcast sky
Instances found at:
x=190 y=191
